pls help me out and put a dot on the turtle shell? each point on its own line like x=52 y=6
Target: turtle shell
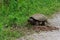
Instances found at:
x=39 y=17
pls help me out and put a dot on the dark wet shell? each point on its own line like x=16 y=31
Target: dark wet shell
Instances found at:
x=39 y=17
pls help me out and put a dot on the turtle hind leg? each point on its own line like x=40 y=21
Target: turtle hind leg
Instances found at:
x=42 y=23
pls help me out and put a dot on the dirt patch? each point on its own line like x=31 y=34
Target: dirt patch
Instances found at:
x=44 y=28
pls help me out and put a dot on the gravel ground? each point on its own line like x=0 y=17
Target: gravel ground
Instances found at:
x=47 y=35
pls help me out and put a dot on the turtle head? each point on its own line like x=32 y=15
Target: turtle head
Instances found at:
x=31 y=20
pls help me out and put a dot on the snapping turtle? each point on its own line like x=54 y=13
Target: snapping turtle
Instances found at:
x=38 y=19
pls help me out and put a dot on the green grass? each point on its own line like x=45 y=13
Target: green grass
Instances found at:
x=18 y=11
x=10 y=34
x=22 y=9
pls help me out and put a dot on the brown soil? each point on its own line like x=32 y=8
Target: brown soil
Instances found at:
x=44 y=28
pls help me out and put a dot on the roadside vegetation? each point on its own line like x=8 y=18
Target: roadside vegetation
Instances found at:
x=14 y=13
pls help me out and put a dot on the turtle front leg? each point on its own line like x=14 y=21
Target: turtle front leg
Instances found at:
x=40 y=23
